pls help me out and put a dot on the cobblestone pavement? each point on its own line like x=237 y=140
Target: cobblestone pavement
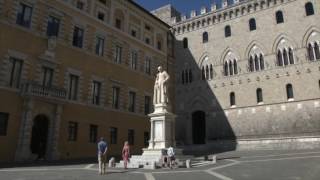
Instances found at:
x=279 y=165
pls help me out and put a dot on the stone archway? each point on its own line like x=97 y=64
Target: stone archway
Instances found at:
x=199 y=127
x=39 y=137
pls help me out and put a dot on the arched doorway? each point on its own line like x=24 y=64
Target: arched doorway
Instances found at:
x=39 y=136
x=199 y=127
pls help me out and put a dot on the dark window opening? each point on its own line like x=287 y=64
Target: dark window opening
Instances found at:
x=289 y=91
x=279 y=17
x=309 y=9
x=4 y=117
x=252 y=24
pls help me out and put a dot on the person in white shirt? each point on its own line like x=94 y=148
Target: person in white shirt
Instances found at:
x=170 y=155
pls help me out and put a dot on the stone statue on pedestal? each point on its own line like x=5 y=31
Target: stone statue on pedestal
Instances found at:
x=160 y=95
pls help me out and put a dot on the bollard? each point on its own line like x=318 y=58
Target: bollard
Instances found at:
x=112 y=162
x=188 y=163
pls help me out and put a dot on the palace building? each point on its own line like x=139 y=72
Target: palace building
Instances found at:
x=72 y=71
x=247 y=75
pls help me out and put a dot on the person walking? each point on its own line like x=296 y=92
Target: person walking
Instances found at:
x=170 y=156
x=125 y=154
x=102 y=155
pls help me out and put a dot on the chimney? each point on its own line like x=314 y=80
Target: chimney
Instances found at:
x=203 y=10
x=174 y=20
x=183 y=17
x=224 y=3
x=193 y=13
x=213 y=7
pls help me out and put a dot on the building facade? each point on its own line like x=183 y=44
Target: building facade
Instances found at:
x=72 y=71
x=248 y=75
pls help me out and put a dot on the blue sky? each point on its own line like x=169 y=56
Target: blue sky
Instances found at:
x=184 y=6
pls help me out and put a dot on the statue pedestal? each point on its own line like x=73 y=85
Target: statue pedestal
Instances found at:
x=162 y=136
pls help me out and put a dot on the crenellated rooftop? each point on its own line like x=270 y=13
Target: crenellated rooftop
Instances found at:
x=226 y=12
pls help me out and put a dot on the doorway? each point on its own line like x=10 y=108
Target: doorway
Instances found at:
x=199 y=127
x=39 y=136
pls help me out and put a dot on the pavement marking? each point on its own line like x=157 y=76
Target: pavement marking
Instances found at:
x=279 y=159
x=289 y=154
x=168 y=172
x=232 y=160
x=149 y=176
x=89 y=166
x=40 y=169
x=220 y=176
x=224 y=166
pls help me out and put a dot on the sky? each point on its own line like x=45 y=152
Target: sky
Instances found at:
x=183 y=6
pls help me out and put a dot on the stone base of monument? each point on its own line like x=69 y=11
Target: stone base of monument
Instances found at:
x=152 y=159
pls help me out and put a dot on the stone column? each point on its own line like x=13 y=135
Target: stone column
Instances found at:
x=23 y=151
x=53 y=140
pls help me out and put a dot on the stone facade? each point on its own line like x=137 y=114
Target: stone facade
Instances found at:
x=206 y=53
x=47 y=80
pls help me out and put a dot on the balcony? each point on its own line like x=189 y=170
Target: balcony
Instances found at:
x=35 y=89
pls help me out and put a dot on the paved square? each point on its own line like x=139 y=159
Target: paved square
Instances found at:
x=268 y=165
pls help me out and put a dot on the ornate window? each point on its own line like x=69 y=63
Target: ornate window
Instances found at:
x=230 y=65
x=309 y=9
x=285 y=57
x=207 y=69
x=313 y=51
x=256 y=60
x=285 y=54
x=186 y=76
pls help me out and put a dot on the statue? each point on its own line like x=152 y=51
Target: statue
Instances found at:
x=160 y=95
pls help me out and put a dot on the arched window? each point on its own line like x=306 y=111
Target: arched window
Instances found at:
x=190 y=76
x=259 y=95
x=310 y=52
x=182 y=77
x=185 y=43
x=207 y=72
x=203 y=74
x=279 y=17
x=232 y=99
x=291 y=58
x=235 y=67
x=289 y=91
x=309 y=9
x=317 y=51
x=252 y=24
x=261 y=62
x=251 y=66
x=256 y=63
x=230 y=68
x=186 y=76
x=205 y=37
x=226 y=72
x=285 y=57
x=211 y=71
x=227 y=31
x=280 y=58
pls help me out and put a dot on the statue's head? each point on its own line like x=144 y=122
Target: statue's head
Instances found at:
x=160 y=68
